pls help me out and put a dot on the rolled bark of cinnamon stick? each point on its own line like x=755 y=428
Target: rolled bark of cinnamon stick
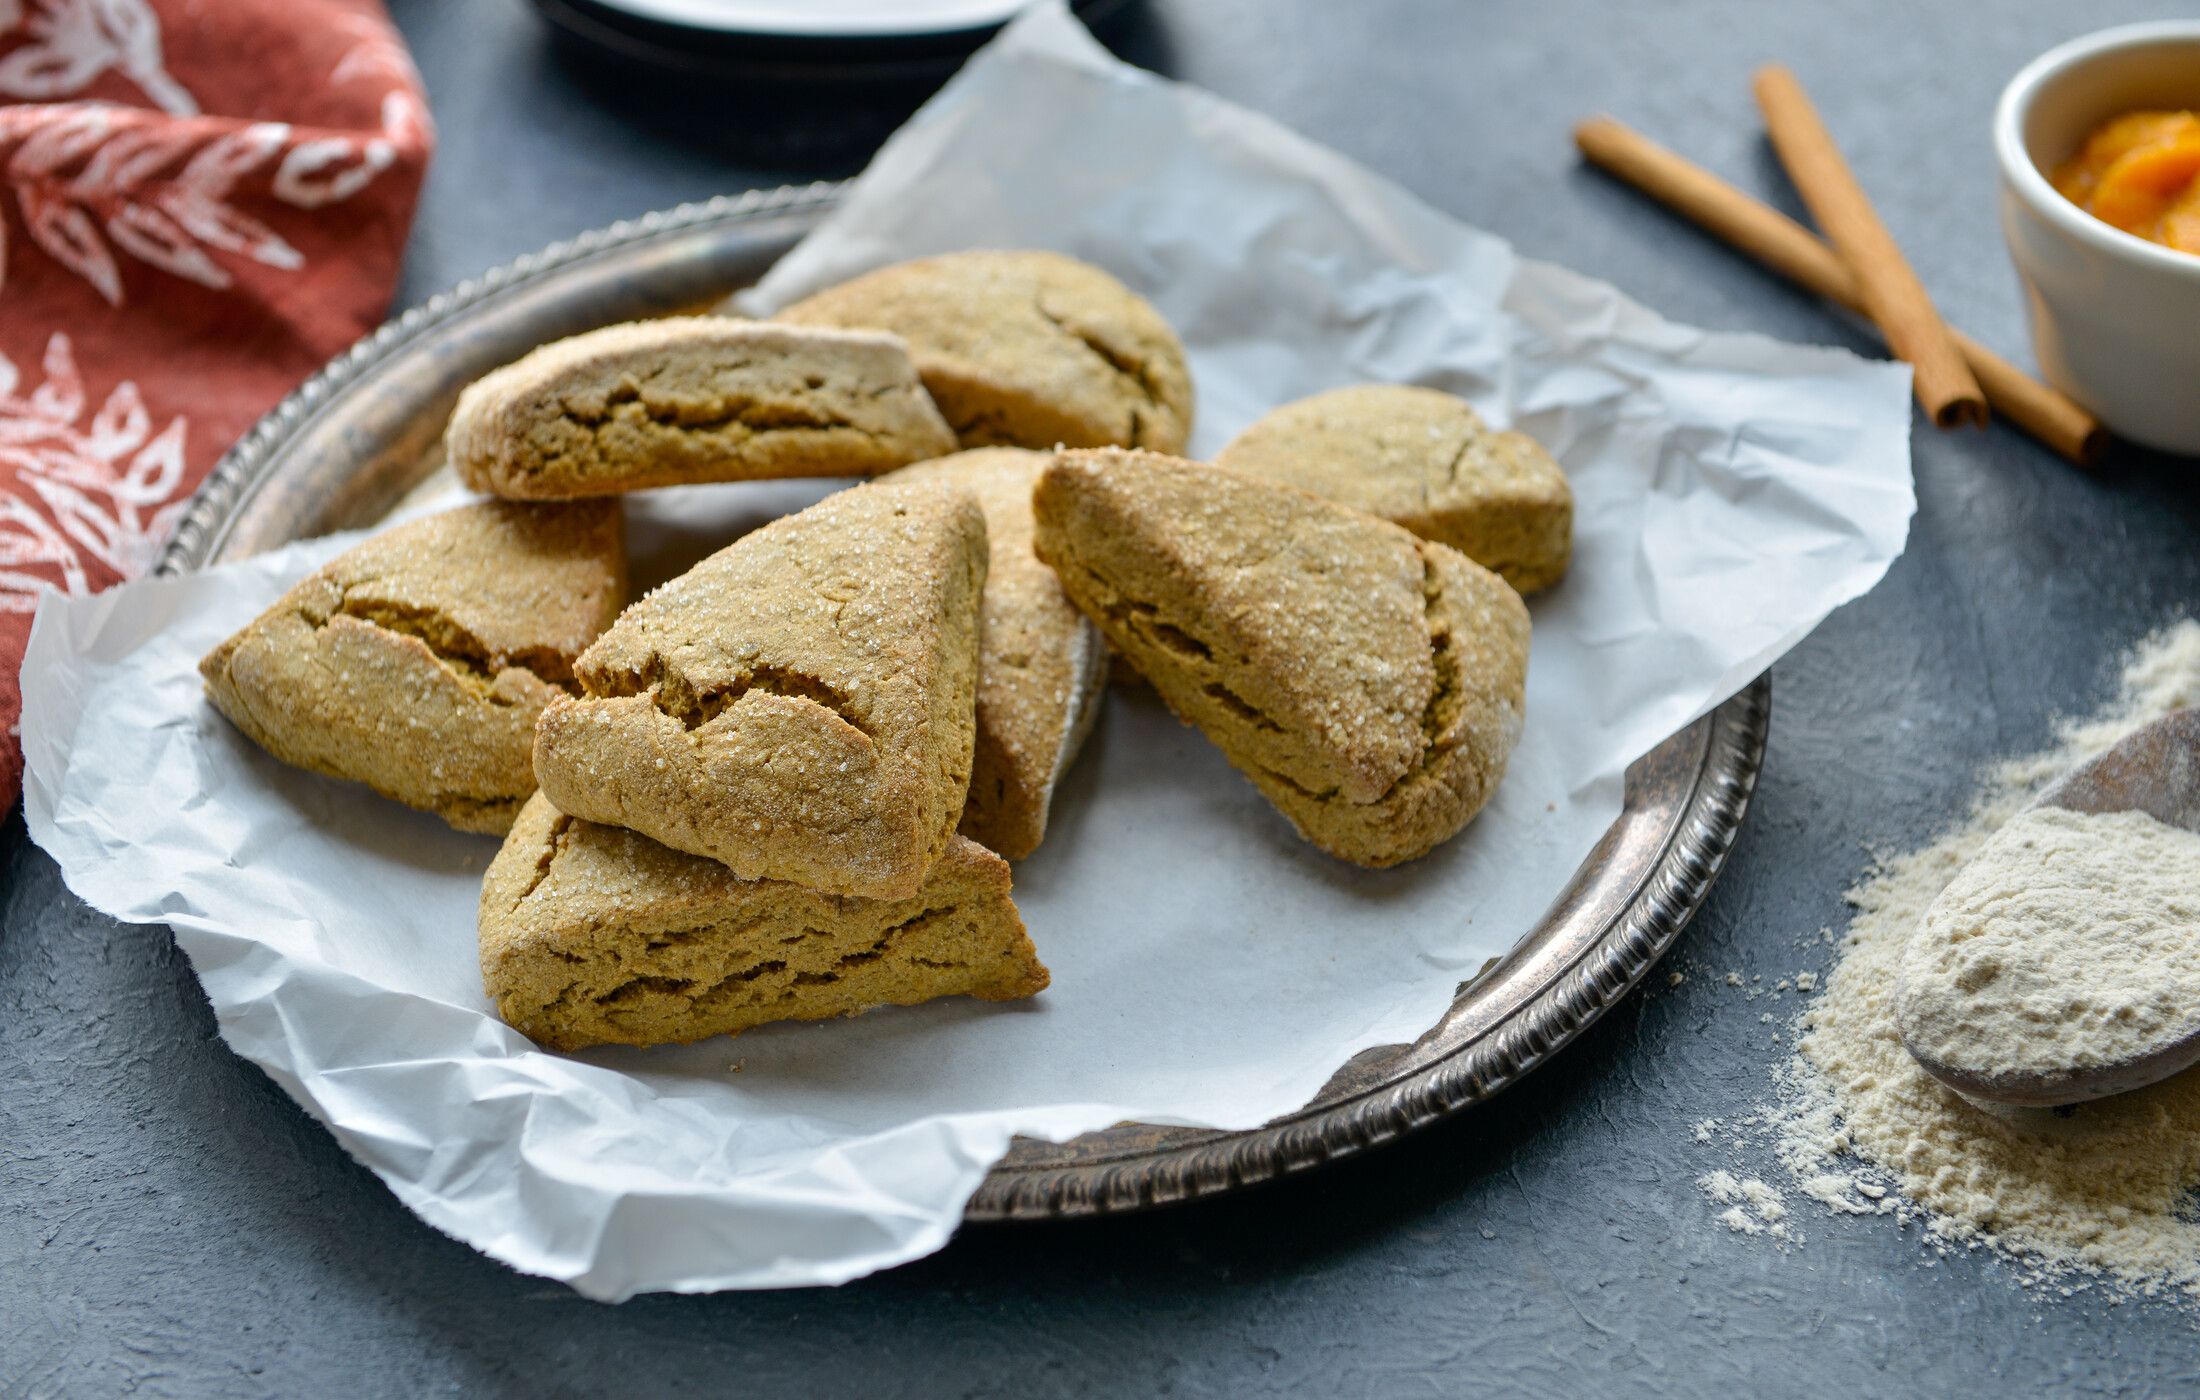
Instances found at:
x=1893 y=296
x=1772 y=238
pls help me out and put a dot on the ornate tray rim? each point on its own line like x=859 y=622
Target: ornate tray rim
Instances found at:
x=1590 y=976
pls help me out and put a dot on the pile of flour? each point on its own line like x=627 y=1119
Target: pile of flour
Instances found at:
x=2103 y=1189
x=2071 y=940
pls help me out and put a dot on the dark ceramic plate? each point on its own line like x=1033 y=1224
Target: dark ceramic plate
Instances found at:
x=790 y=40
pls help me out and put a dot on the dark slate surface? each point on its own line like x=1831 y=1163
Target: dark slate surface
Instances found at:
x=170 y=1223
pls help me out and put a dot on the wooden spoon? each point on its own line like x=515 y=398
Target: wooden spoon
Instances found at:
x=2155 y=770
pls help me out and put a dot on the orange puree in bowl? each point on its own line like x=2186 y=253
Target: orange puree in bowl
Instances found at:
x=2141 y=172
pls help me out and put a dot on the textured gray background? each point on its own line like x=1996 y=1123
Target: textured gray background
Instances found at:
x=170 y=1223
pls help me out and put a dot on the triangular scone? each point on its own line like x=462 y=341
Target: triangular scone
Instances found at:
x=798 y=705
x=1042 y=667
x=1368 y=681
x=1427 y=461
x=696 y=398
x=417 y=662
x=1025 y=349
x=591 y=935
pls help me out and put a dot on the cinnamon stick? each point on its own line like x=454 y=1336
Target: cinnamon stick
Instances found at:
x=1892 y=295
x=1785 y=246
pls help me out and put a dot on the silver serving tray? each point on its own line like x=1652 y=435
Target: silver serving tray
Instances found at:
x=348 y=445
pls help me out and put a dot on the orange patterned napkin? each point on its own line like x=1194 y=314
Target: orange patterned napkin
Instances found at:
x=200 y=203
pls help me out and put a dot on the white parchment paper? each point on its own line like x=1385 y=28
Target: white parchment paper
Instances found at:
x=1209 y=968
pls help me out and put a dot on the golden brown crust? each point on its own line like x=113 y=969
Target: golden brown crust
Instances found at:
x=1427 y=461
x=591 y=935
x=798 y=705
x=417 y=662
x=689 y=399
x=1370 y=683
x=1025 y=349
x=1042 y=668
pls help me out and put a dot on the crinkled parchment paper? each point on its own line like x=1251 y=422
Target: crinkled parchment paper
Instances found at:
x=1209 y=968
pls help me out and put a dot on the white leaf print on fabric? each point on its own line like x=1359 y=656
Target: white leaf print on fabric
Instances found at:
x=377 y=55
x=331 y=169
x=72 y=42
x=97 y=184
x=91 y=178
x=103 y=491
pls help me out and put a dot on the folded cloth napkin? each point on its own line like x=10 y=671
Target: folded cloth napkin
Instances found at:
x=199 y=205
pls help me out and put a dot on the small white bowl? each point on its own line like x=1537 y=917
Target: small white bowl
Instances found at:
x=2115 y=319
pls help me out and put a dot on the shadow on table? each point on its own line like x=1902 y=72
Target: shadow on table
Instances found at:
x=1175 y=1287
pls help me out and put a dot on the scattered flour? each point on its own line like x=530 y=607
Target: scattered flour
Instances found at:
x=2071 y=940
x=1754 y=1208
x=2102 y=1192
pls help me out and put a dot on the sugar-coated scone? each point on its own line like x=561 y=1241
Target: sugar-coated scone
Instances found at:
x=1427 y=461
x=799 y=705
x=593 y=935
x=1042 y=667
x=690 y=399
x=1368 y=681
x=1025 y=349
x=417 y=661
